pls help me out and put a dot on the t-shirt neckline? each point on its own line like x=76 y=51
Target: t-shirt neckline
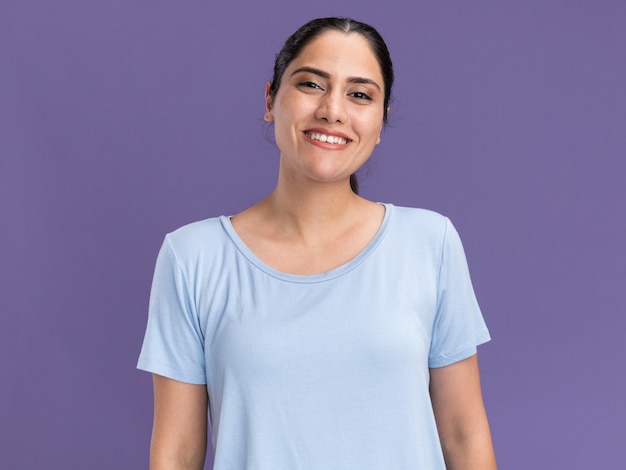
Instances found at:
x=308 y=278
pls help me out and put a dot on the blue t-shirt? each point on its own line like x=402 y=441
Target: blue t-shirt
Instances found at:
x=324 y=371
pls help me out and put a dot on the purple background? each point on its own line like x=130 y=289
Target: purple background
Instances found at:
x=122 y=120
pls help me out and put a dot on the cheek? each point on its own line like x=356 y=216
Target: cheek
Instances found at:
x=290 y=117
x=371 y=129
x=282 y=115
x=283 y=124
x=294 y=107
x=284 y=130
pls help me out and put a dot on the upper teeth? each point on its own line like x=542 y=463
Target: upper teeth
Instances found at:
x=331 y=139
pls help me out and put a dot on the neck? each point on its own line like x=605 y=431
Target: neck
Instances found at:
x=314 y=209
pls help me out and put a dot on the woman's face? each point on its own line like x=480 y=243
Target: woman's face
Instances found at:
x=328 y=110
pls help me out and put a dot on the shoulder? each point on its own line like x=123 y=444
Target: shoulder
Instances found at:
x=197 y=229
x=197 y=237
x=416 y=221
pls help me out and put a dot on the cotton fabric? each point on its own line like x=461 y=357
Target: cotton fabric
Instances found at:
x=324 y=371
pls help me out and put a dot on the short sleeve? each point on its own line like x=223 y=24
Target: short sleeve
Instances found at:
x=173 y=345
x=459 y=326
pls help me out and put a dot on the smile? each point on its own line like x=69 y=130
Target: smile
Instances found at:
x=330 y=139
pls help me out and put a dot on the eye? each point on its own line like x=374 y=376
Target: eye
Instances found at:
x=361 y=96
x=308 y=84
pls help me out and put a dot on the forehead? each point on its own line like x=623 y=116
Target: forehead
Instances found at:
x=340 y=54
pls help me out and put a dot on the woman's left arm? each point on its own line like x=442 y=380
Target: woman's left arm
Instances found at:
x=461 y=418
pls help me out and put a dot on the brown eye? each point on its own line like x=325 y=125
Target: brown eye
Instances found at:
x=360 y=95
x=313 y=85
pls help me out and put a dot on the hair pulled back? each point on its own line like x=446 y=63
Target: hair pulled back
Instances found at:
x=315 y=28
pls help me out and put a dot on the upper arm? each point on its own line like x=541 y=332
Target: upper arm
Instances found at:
x=456 y=394
x=179 y=434
x=460 y=414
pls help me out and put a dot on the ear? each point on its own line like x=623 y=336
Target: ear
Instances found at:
x=268 y=117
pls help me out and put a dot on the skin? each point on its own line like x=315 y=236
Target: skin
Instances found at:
x=313 y=222
x=179 y=432
x=460 y=414
x=321 y=90
x=333 y=87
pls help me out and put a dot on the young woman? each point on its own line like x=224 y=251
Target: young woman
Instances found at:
x=317 y=329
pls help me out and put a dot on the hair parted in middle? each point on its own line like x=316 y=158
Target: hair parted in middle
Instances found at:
x=315 y=28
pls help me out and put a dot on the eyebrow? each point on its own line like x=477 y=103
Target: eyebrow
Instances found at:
x=326 y=75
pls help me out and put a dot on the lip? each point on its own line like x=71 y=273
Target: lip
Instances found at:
x=326 y=145
x=328 y=132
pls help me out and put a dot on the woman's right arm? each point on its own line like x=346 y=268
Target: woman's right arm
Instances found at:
x=179 y=432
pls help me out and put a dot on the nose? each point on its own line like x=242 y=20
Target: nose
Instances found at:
x=332 y=108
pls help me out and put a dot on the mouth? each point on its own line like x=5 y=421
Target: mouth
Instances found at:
x=329 y=139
